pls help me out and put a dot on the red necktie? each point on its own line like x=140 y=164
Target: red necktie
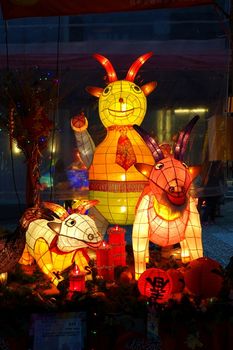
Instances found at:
x=125 y=155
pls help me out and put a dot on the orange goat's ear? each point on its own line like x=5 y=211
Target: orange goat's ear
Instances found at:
x=94 y=91
x=195 y=171
x=144 y=169
x=149 y=87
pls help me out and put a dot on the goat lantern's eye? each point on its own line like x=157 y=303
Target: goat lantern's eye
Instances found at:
x=185 y=165
x=70 y=223
x=136 y=89
x=159 y=166
x=90 y=236
x=107 y=90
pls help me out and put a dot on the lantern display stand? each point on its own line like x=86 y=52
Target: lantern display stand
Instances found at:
x=117 y=306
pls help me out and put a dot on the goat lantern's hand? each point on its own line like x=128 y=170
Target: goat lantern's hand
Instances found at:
x=166 y=214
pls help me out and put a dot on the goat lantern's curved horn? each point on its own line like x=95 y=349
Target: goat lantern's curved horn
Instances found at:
x=151 y=143
x=183 y=138
x=107 y=66
x=134 y=68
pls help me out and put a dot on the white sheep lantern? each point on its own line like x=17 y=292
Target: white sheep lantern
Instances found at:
x=57 y=240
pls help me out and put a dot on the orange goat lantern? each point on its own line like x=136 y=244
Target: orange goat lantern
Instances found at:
x=113 y=179
x=166 y=214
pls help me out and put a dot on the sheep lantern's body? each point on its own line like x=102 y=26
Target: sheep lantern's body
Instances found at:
x=166 y=213
x=58 y=243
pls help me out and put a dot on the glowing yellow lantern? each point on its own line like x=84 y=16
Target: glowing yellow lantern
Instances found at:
x=57 y=243
x=166 y=213
x=114 y=181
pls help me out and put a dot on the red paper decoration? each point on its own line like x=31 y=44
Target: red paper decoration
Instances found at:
x=116 y=240
x=203 y=277
x=155 y=284
x=103 y=261
x=111 y=254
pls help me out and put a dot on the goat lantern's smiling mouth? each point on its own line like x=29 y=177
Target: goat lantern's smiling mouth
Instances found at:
x=120 y=113
x=94 y=244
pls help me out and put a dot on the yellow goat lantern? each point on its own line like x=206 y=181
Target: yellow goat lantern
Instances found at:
x=114 y=181
x=166 y=214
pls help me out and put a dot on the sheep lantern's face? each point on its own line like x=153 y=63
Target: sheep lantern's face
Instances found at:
x=75 y=232
x=172 y=178
x=122 y=103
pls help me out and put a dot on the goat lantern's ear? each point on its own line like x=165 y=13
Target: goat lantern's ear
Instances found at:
x=144 y=169
x=195 y=171
x=94 y=91
x=149 y=87
x=55 y=226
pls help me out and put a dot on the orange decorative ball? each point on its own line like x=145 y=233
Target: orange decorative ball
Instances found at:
x=155 y=284
x=204 y=278
x=126 y=277
x=177 y=280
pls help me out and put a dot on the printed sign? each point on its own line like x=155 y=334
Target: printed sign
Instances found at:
x=59 y=331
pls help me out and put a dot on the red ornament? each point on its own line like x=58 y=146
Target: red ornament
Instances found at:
x=155 y=283
x=76 y=280
x=177 y=280
x=203 y=277
x=116 y=240
x=37 y=124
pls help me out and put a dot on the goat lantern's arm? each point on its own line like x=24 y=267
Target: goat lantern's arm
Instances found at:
x=140 y=236
x=85 y=144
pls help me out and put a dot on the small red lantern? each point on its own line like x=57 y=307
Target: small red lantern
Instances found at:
x=76 y=280
x=177 y=280
x=155 y=284
x=203 y=277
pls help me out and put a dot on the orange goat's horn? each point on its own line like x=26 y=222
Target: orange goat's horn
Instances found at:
x=183 y=138
x=137 y=65
x=107 y=66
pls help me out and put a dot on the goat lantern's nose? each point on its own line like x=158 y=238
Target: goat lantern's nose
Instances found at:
x=176 y=189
